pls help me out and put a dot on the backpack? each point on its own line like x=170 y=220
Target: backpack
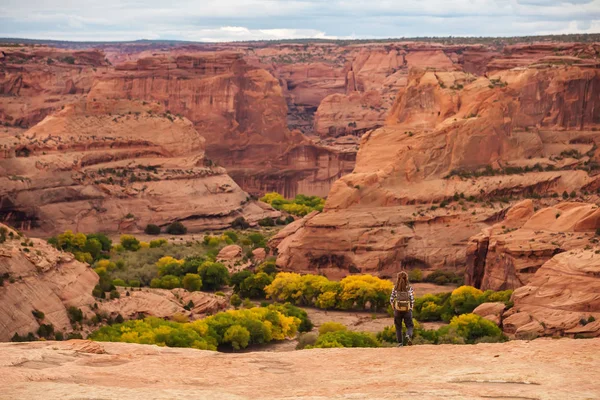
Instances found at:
x=402 y=302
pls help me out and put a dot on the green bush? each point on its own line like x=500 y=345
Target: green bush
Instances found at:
x=263 y=324
x=331 y=327
x=440 y=277
x=114 y=294
x=473 y=327
x=130 y=243
x=240 y=223
x=300 y=205
x=192 y=282
x=346 y=339
x=75 y=314
x=45 y=331
x=85 y=248
x=214 y=275
x=290 y=310
x=465 y=299
x=232 y=235
x=235 y=300
x=254 y=285
x=152 y=229
x=176 y=228
x=415 y=275
x=166 y=282
x=238 y=336
x=38 y=314
x=119 y=282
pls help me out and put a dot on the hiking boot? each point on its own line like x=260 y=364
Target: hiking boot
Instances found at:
x=408 y=341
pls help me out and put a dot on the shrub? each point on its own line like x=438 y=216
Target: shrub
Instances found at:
x=440 y=277
x=300 y=205
x=268 y=267
x=192 y=282
x=465 y=299
x=75 y=314
x=152 y=229
x=119 y=282
x=38 y=314
x=157 y=243
x=58 y=336
x=176 y=228
x=331 y=327
x=266 y=222
x=254 y=285
x=214 y=275
x=3 y=233
x=237 y=279
x=415 y=275
x=289 y=310
x=45 y=331
x=130 y=243
x=472 y=327
x=306 y=339
x=114 y=294
x=238 y=336
x=240 y=223
x=235 y=300
x=166 y=282
x=346 y=339
x=232 y=235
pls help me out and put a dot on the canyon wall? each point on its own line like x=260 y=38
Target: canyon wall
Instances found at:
x=456 y=151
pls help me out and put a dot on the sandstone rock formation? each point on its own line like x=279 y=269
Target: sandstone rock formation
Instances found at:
x=467 y=143
x=37 y=277
x=544 y=368
x=162 y=303
x=34 y=82
x=115 y=165
x=508 y=254
x=491 y=311
x=563 y=297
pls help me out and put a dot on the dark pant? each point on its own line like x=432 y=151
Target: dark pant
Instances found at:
x=407 y=318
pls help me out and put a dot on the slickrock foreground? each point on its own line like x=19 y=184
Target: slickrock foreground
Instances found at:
x=541 y=369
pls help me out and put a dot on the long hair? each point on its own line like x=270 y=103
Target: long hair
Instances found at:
x=401 y=282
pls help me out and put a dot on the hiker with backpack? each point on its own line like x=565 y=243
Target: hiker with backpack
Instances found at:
x=402 y=301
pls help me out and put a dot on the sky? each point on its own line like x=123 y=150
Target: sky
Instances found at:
x=235 y=20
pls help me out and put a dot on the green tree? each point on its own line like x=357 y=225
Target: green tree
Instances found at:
x=130 y=242
x=192 y=282
x=176 y=228
x=254 y=285
x=213 y=274
x=152 y=229
x=235 y=300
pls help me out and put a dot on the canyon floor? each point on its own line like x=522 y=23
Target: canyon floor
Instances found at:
x=540 y=369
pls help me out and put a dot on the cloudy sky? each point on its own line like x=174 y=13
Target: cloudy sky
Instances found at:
x=225 y=20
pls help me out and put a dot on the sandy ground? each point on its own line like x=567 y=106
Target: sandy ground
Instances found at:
x=541 y=369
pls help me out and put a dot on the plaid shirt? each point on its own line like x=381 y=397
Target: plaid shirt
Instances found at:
x=411 y=295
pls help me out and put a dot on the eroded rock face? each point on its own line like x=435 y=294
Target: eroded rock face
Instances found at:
x=162 y=303
x=116 y=165
x=522 y=126
x=39 y=277
x=563 y=297
x=508 y=254
x=34 y=82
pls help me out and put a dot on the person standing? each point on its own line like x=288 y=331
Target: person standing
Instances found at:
x=402 y=300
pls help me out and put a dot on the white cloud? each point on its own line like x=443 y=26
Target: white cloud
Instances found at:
x=219 y=20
